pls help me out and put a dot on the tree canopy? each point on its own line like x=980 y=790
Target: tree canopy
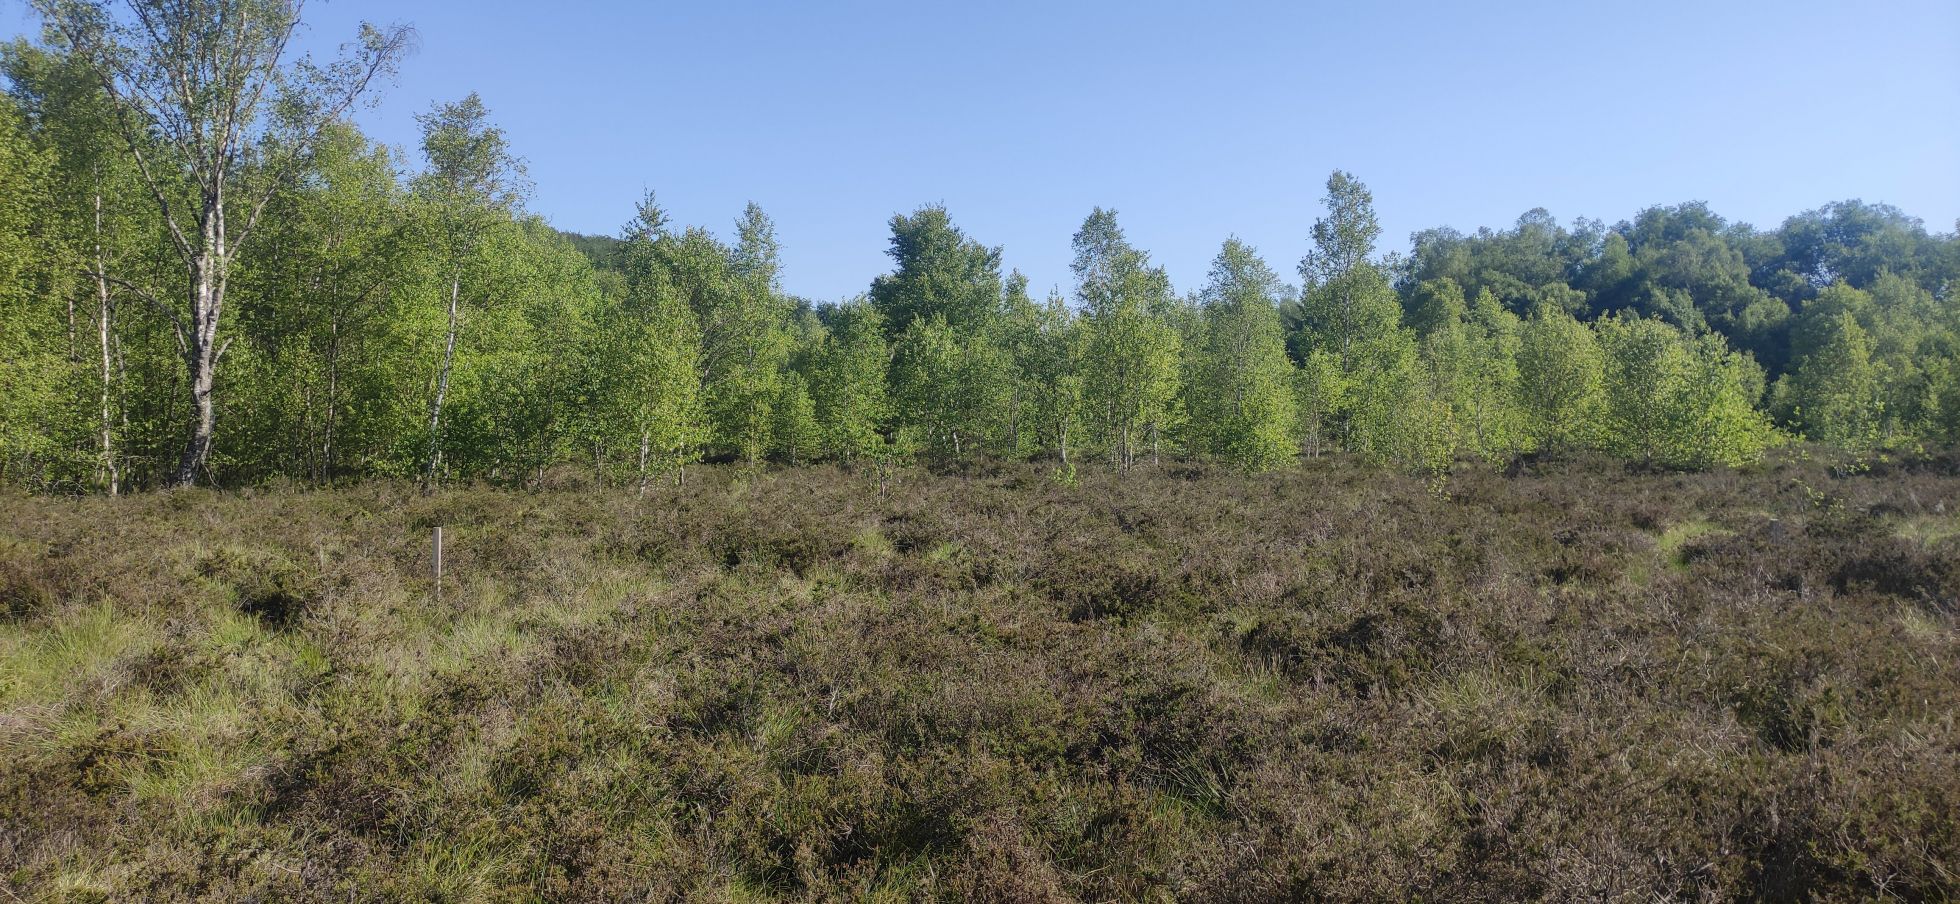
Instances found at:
x=236 y=285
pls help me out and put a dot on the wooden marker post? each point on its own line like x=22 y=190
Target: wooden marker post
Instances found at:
x=435 y=563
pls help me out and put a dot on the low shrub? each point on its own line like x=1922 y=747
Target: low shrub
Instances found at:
x=1571 y=681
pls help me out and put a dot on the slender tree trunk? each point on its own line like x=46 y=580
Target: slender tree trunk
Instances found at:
x=201 y=360
x=304 y=431
x=645 y=441
x=333 y=402
x=442 y=379
x=755 y=442
x=1014 y=422
x=111 y=472
x=201 y=349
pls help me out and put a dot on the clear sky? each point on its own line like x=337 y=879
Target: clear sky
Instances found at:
x=1195 y=120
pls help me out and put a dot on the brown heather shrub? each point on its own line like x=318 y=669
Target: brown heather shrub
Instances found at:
x=1571 y=682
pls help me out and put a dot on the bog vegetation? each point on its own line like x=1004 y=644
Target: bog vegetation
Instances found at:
x=207 y=274
x=1576 y=682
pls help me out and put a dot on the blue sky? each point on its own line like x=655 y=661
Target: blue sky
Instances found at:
x=1195 y=120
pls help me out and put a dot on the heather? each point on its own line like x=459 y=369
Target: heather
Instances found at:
x=1569 y=680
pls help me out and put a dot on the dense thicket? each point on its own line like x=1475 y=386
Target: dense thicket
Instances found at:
x=239 y=286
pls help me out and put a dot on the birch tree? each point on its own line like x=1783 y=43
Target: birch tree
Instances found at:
x=655 y=381
x=1243 y=398
x=1345 y=298
x=1048 y=360
x=32 y=364
x=472 y=182
x=1132 y=356
x=95 y=223
x=1561 y=376
x=847 y=384
x=1834 y=393
x=215 y=121
x=1677 y=401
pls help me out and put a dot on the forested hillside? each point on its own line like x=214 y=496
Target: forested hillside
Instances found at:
x=231 y=284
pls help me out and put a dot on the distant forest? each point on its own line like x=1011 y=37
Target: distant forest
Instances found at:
x=208 y=274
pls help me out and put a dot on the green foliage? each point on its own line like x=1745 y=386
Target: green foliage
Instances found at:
x=847 y=382
x=1242 y=401
x=1834 y=392
x=601 y=250
x=1525 y=267
x=383 y=322
x=926 y=388
x=471 y=171
x=34 y=342
x=1436 y=304
x=646 y=363
x=937 y=271
x=322 y=381
x=1320 y=393
x=1676 y=401
x=1346 y=299
x=955 y=392
x=1942 y=418
x=744 y=320
x=1131 y=354
x=1344 y=239
x=215 y=119
x=466 y=201
x=513 y=406
x=1046 y=343
x=1561 y=378
x=1394 y=417
x=93 y=243
x=797 y=436
x=1473 y=360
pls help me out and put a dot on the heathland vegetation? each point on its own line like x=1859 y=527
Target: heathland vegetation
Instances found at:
x=1557 y=562
x=1576 y=681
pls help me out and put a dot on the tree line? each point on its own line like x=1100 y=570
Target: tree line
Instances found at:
x=208 y=274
